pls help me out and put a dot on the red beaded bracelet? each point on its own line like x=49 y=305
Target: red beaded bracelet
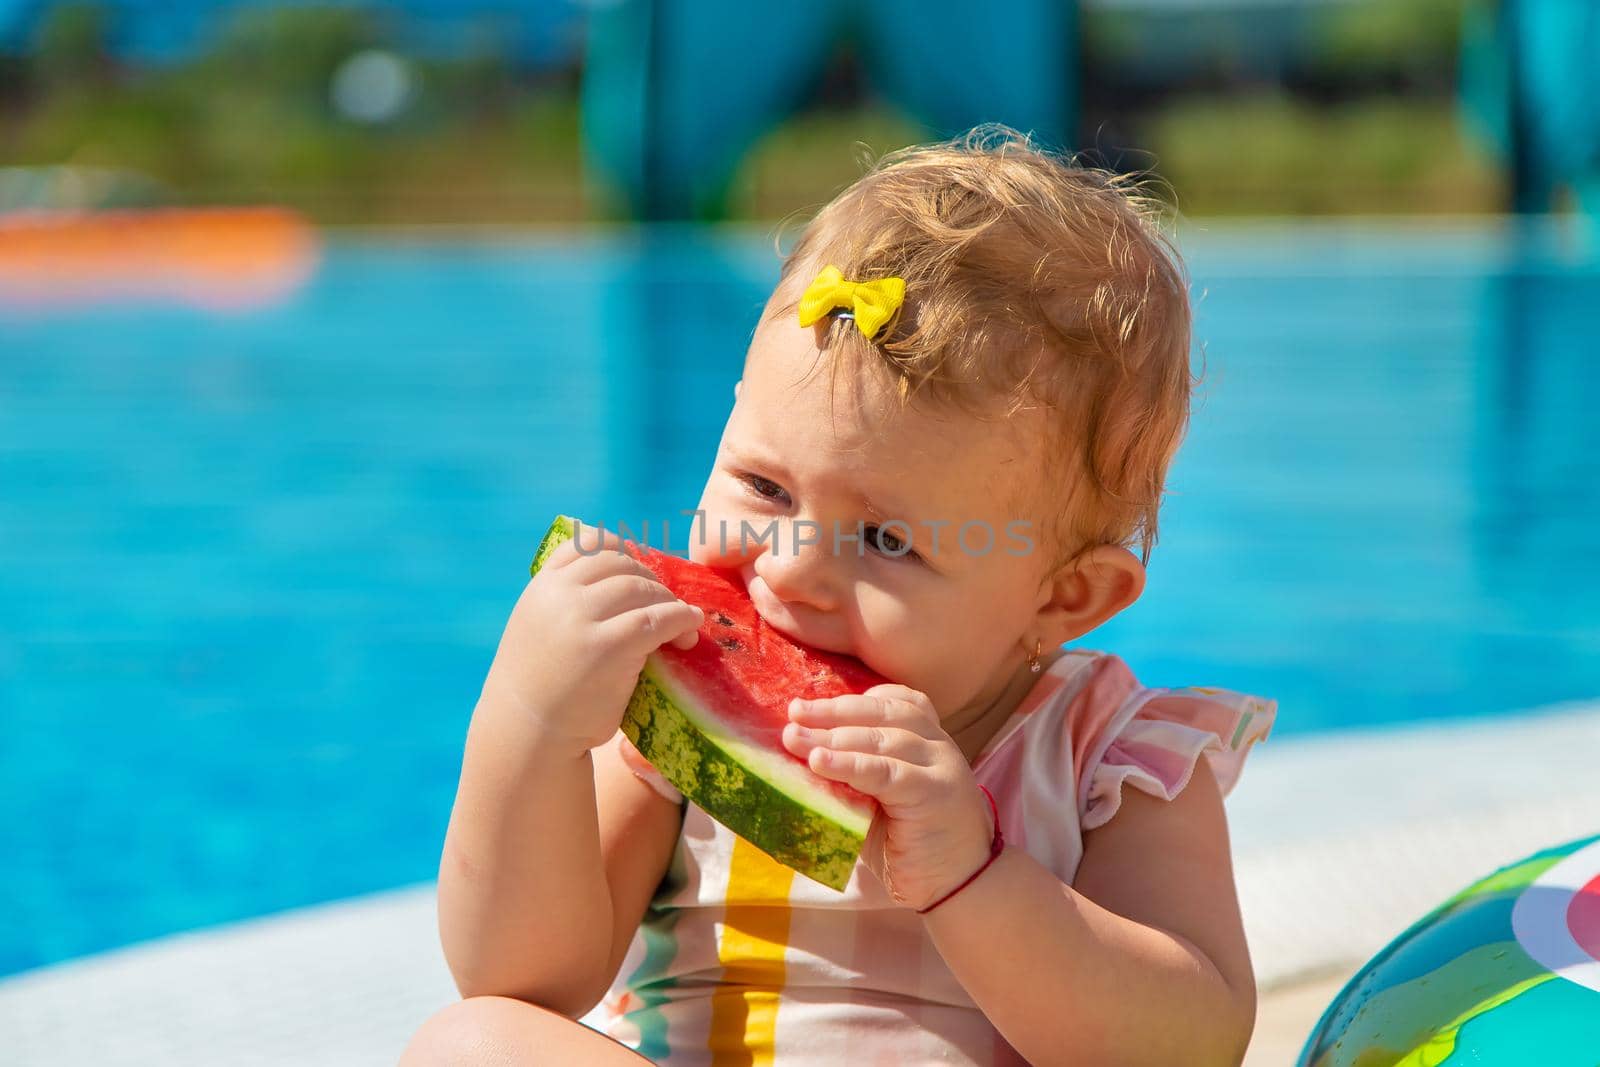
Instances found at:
x=995 y=847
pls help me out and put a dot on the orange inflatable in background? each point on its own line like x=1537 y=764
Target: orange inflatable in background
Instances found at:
x=227 y=258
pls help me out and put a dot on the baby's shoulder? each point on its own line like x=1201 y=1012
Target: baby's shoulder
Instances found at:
x=1091 y=726
x=1126 y=733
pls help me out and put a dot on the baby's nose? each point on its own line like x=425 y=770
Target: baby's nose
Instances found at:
x=800 y=567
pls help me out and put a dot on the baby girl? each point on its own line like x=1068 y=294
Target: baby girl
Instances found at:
x=950 y=436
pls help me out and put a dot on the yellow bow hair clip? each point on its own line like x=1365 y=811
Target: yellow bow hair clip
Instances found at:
x=871 y=304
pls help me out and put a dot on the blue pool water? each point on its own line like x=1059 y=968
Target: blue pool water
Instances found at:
x=253 y=566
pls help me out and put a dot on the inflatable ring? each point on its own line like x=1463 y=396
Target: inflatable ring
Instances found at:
x=1506 y=972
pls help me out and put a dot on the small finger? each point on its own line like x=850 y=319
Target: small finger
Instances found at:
x=645 y=629
x=888 y=780
x=914 y=700
x=862 y=709
x=884 y=741
x=617 y=593
x=599 y=563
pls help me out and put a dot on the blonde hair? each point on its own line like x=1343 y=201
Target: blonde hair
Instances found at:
x=1029 y=278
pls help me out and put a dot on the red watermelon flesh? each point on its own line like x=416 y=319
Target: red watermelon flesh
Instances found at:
x=711 y=719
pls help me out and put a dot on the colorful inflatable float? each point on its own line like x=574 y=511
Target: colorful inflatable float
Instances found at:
x=1505 y=973
x=237 y=257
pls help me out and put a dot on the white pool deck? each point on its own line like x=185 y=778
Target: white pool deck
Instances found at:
x=1340 y=842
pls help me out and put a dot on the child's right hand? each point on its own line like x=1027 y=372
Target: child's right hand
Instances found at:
x=578 y=637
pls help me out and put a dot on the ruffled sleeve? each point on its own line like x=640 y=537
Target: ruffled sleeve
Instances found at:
x=641 y=768
x=1156 y=737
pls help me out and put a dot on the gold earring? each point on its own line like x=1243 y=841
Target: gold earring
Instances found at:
x=1033 y=662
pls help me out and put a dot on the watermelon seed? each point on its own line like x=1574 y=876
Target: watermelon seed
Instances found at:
x=723 y=619
x=730 y=643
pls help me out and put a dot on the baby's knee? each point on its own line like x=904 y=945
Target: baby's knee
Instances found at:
x=478 y=1030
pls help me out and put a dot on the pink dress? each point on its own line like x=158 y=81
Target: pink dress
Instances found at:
x=741 y=960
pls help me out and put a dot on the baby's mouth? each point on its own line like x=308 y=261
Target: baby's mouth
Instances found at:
x=778 y=616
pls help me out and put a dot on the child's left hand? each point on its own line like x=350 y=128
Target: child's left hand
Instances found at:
x=933 y=828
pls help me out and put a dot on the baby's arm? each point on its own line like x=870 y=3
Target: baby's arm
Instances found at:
x=1144 y=962
x=1141 y=961
x=531 y=922
x=536 y=887
x=638 y=835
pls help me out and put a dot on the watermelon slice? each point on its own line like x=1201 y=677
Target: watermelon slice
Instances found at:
x=711 y=719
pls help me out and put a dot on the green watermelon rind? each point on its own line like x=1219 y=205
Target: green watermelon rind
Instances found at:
x=735 y=783
x=562 y=529
x=741 y=789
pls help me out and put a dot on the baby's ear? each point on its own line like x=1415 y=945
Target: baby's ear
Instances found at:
x=1090 y=589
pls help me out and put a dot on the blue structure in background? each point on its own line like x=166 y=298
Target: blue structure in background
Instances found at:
x=676 y=91
x=1531 y=80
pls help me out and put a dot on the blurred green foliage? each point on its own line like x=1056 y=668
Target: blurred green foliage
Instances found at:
x=804 y=162
x=253 y=120
x=1391 y=41
x=289 y=54
x=70 y=48
x=1274 y=155
x=1339 y=47
x=1334 y=108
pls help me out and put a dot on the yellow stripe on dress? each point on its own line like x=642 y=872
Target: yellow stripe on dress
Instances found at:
x=744 y=1009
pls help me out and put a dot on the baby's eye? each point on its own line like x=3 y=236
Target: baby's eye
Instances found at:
x=885 y=541
x=763 y=487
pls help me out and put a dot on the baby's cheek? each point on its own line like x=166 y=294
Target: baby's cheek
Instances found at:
x=901 y=643
x=713 y=535
x=966 y=658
